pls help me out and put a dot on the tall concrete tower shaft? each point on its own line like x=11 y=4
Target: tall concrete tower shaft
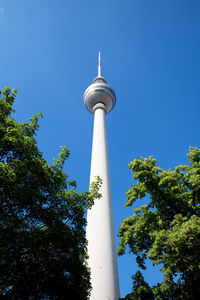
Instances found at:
x=99 y=99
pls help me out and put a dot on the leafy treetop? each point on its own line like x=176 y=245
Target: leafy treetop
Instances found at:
x=42 y=224
x=167 y=229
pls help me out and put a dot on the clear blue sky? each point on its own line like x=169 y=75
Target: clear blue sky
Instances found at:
x=150 y=57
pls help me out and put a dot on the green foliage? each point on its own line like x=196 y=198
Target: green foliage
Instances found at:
x=42 y=224
x=141 y=290
x=167 y=230
x=94 y=191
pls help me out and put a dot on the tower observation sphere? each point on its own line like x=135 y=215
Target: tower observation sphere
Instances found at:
x=99 y=99
x=99 y=92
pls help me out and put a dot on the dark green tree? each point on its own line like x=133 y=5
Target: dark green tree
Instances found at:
x=167 y=229
x=140 y=290
x=42 y=222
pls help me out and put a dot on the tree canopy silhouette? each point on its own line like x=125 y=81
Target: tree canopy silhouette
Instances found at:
x=42 y=222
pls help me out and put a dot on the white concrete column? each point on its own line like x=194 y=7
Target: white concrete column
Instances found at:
x=100 y=227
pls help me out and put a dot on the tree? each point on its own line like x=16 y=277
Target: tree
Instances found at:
x=167 y=229
x=140 y=290
x=42 y=222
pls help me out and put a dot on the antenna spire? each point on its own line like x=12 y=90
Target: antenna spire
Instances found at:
x=99 y=65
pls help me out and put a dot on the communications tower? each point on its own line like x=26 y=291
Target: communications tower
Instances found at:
x=100 y=99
